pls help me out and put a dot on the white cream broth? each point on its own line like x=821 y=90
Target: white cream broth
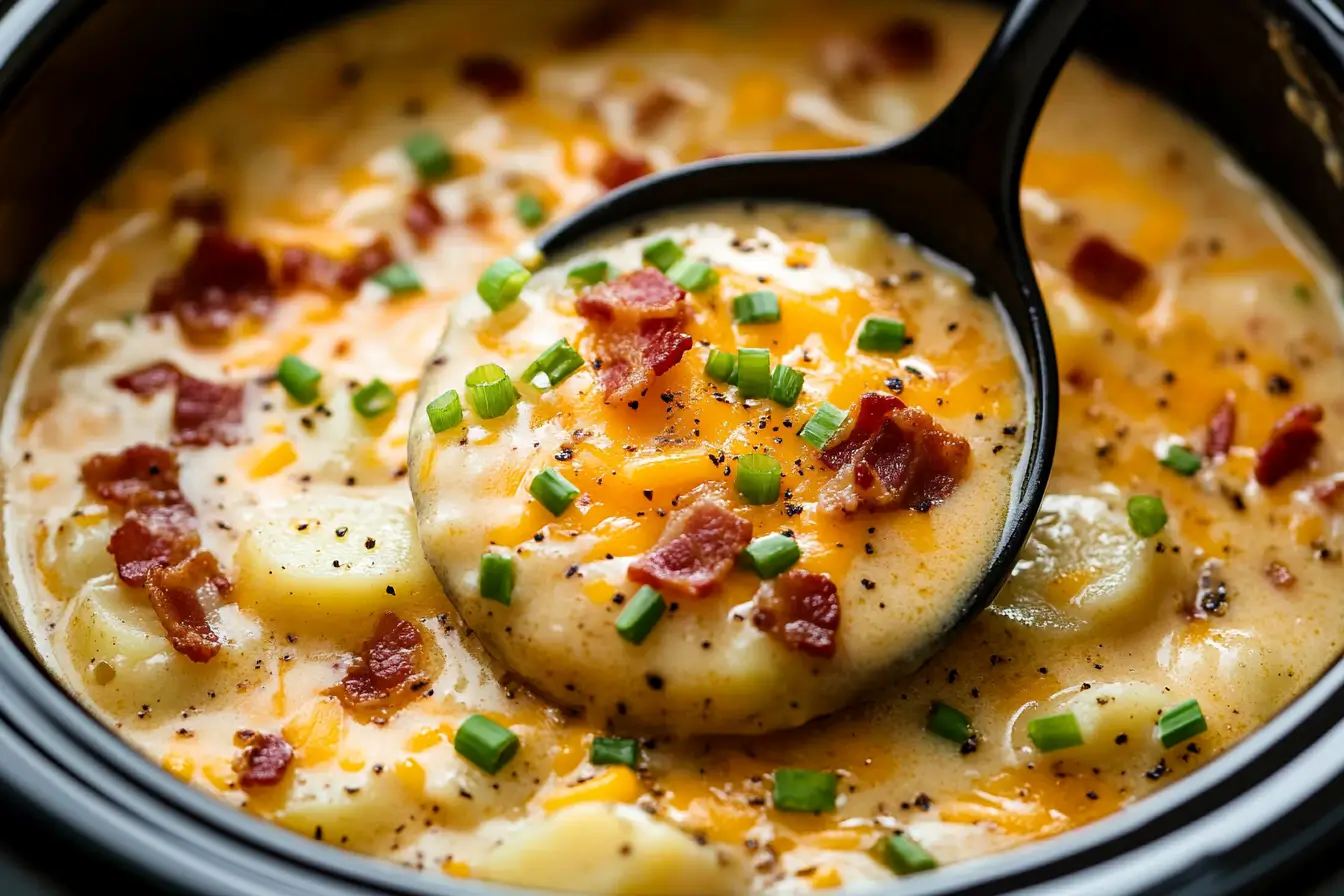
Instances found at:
x=903 y=575
x=1233 y=603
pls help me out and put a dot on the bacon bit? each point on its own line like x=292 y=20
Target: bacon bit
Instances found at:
x=153 y=537
x=639 y=295
x=139 y=477
x=873 y=410
x=207 y=412
x=910 y=462
x=179 y=595
x=640 y=316
x=205 y=207
x=1222 y=428
x=802 y=610
x=304 y=267
x=696 y=551
x=264 y=759
x=663 y=344
x=495 y=76
x=422 y=217
x=149 y=380
x=616 y=169
x=1290 y=444
x=387 y=669
x=1100 y=268
x=225 y=282
x=1280 y=576
x=367 y=262
x=909 y=45
x=654 y=109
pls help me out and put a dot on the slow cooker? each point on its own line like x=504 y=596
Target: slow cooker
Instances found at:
x=81 y=82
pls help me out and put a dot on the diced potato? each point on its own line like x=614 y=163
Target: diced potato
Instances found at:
x=1117 y=720
x=76 y=552
x=467 y=795
x=359 y=810
x=339 y=561
x=610 y=849
x=1239 y=680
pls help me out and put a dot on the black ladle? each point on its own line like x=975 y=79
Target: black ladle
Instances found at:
x=952 y=187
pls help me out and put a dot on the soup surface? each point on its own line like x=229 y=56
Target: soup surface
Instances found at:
x=217 y=552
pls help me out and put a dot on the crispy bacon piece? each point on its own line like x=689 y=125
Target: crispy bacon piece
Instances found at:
x=495 y=76
x=140 y=476
x=909 y=462
x=264 y=759
x=180 y=595
x=365 y=263
x=149 y=380
x=387 y=670
x=801 y=609
x=205 y=207
x=152 y=537
x=640 y=295
x=1222 y=428
x=207 y=412
x=909 y=45
x=304 y=267
x=617 y=169
x=422 y=217
x=640 y=318
x=1280 y=576
x=225 y=282
x=873 y=410
x=696 y=550
x=1290 y=444
x=1099 y=267
x=654 y=109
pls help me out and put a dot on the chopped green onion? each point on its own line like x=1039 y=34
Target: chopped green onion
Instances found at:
x=485 y=743
x=556 y=363
x=1302 y=292
x=614 y=751
x=444 y=412
x=949 y=723
x=298 y=378
x=497 y=577
x=881 y=334
x=663 y=253
x=905 y=856
x=721 y=366
x=399 y=278
x=1180 y=723
x=640 y=615
x=530 y=210
x=501 y=283
x=1182 y=460
x=1147 y=515
x=760 y=307
x=590 y=273
x=825 y=422
x=553 y=491
x=429 y=155
x=772 y=554
x=374 y=399
x=1051 y=733
x=802 y=790
x=490 y=391
x=758 y=478
x=753 y=372
x=786 y=384
x=695 y=276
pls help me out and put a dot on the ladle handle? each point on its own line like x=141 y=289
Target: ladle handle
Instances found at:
x=981 y=136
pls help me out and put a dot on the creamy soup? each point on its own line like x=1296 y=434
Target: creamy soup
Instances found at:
x=209 y=516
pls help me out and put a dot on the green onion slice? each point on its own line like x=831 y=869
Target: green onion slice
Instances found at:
x=1147 y=515
x=695 y=276
x=614 y=751
x=772 y=554
x=640 y=615
x=445 y=412
x=590 y=273
x=802 y=790
x=786 y=384
x=881 y=334
x=663 y=253
x=556 y=363
x=1051 y=733
x=399 y=278
x=825 y=422
x=1180 y=723
x=490 y=391
x=485 y=743
x=497 y=573
x=529 y=209
x=429 y=155
x=298 y=378
x=553 y=491
x=721 y=366
x=753 y=372
x=905 y=856
x=949 y=723
x=1182 y=460
x=502 y=282
x=758 y=478
x=760 y=307
x=373 y=399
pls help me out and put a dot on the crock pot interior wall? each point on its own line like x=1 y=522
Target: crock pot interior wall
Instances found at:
x=95 y=77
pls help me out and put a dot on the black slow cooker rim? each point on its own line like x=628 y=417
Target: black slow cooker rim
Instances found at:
x=65 y=770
